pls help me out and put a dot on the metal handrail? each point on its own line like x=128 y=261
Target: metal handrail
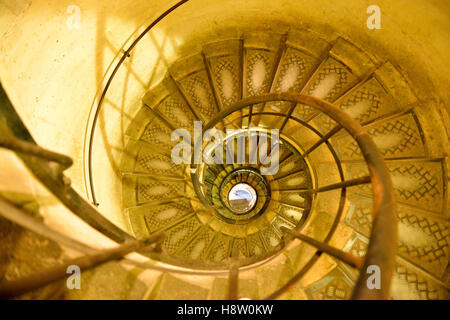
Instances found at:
x=11 y=289
x=125 y=54
x=384 y=232
x=381 y=251
x=48 y=167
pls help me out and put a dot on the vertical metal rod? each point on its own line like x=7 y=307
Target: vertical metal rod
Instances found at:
x=233 y=280
x=333 y=131
x=289 y=114
x=250 y=115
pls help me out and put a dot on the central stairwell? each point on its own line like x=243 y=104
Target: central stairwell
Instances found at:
x=315 y=152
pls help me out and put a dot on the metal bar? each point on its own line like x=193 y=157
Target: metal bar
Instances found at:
x=10 y=212
x=285 y=158
x=291 y=189
x=250 y=115
x=232 y=123
x=233 y=280
x=323 y=139
x=291 y=282
x=161 y=117
x=384 y=238
x=339 y=98
x=339 y=185
x=210 y=81
x=90 y=141
x=277 y=60
x=241 y=79
x=186 y=99
x=11 y=289
x=151 y=176
x=24 y=147
x=289 y=114
x=287 y=174
x=275 y=69
x=381 y=251
x=73 y=201
x=211 y=84
x=346 y=257
x=344 y=184
x=156 y=203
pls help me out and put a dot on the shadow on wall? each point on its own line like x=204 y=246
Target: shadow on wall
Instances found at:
x=129 y=76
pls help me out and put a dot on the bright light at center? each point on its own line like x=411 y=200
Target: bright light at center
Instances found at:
x=242 y=198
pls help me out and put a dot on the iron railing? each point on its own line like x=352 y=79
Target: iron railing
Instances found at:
x=381 y=250
x=48 y=167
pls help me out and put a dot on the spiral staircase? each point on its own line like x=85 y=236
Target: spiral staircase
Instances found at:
x=234 y=230
x=160 y=196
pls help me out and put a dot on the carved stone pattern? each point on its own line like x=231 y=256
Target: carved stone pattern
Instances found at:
x=240 y=247
x=177 y=111
x=186 y=229
x=358 y=248
x=364 y=94
x=231 y=65
x=255 y=246
x=220 y=250
x=279 y=222
x=204 y=237
x=428 y=182
x=146 y=158
x=270 y=237
x=424 y=191
x=336 y=289
x=292 y=59
x=425 y=288
x=253 y=57
x=154 y=221
x=304 y=112
x=361 y=220
x=155 y=129
x=284 y=212
x=432 y=256
x=205 y=104
x=171 y=189
x=331 y=66
x=435 y=255
x=410 y=138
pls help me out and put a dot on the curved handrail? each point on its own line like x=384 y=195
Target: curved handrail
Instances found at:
x=384 y=232
x=93 y=125
x=48 y=168
x=382 y=246
x=9 y=211
x=380 y=251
